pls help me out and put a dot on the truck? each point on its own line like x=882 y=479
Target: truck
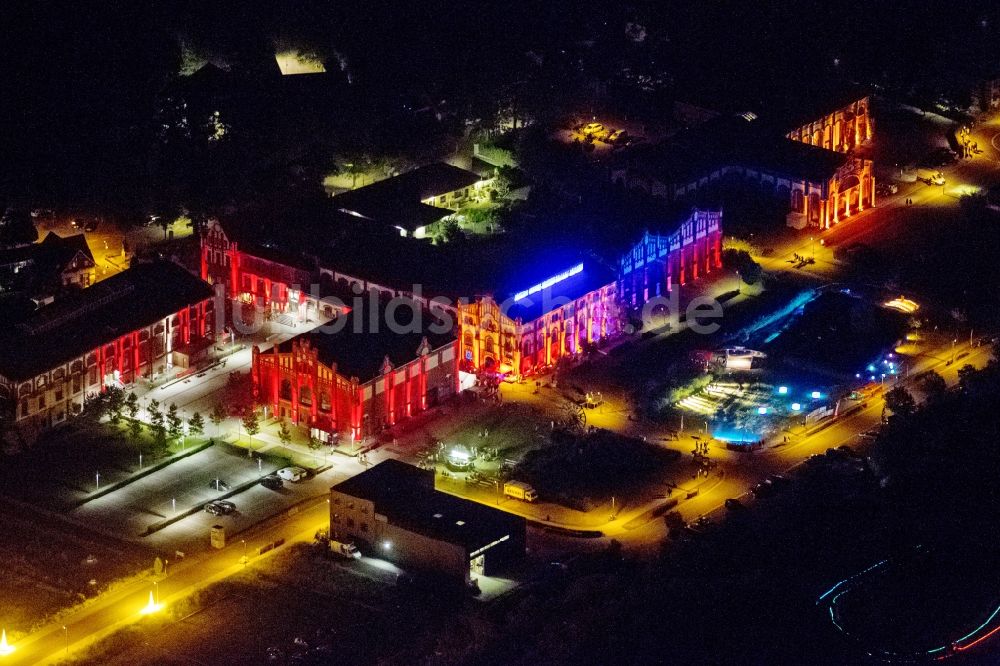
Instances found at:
x=930 y=176
x=520 y=490
x=344 y=549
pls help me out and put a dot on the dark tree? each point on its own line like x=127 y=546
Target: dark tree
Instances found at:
x=900 y=402
x=196 y=425
x=933 y=385
x=175 y=424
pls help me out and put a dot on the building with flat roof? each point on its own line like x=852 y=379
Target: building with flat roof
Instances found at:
x=139 y=323
x=393 y=510
x=413 y=201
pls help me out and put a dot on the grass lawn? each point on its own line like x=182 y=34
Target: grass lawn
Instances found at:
x=588 y=470
x=62 y=466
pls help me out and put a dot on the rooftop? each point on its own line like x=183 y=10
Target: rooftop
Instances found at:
x=733 y=140
x=405 y=495
x=561 y=285
x=84 y=320
x=358 y=342
x=397 y=200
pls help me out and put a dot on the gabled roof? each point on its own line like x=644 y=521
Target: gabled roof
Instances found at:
x=86 y=319
x=58 y=251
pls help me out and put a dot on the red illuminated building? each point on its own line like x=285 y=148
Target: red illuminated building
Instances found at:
x=141 y=323
x=362 y=377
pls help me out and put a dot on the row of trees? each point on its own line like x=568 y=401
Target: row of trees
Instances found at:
x=165 y=425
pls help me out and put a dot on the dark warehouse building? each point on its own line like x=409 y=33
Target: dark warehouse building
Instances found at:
x=394 y=511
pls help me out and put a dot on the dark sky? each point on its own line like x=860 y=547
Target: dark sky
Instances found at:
x=75 y=73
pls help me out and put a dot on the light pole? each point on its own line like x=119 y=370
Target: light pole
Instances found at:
x=244 y=558
x=156 y=591
x=66 y=637
x=97 y=480
x=812 y=246
x=953 y=351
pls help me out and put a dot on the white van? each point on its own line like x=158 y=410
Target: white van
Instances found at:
x=345 y=549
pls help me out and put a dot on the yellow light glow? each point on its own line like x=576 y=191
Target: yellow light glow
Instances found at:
x=5 y=647
x=903 y=305
x=152 y=606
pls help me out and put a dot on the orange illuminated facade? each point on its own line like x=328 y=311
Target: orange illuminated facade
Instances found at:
x=841 y=130
x=532 y=331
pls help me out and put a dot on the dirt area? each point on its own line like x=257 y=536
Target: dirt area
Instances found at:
x=48 y=568
x=297 y=602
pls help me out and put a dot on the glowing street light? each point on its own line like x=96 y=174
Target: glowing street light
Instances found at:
x=5 y=647
x=782 y=390
x=796 y=406
x=150 y=607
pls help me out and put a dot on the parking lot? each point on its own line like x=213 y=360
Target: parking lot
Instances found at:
x=185 y=484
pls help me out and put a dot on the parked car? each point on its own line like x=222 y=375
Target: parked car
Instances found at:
x=763 y=489
x=849 y=451
x=778 y=481
x=292 y=473
x=593 y=128
x=272 y=481
x=734 y=504
x=219 y=508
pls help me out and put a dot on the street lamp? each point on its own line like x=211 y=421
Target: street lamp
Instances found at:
x=66 y=637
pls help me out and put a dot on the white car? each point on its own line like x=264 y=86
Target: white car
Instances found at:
x=293 y=474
